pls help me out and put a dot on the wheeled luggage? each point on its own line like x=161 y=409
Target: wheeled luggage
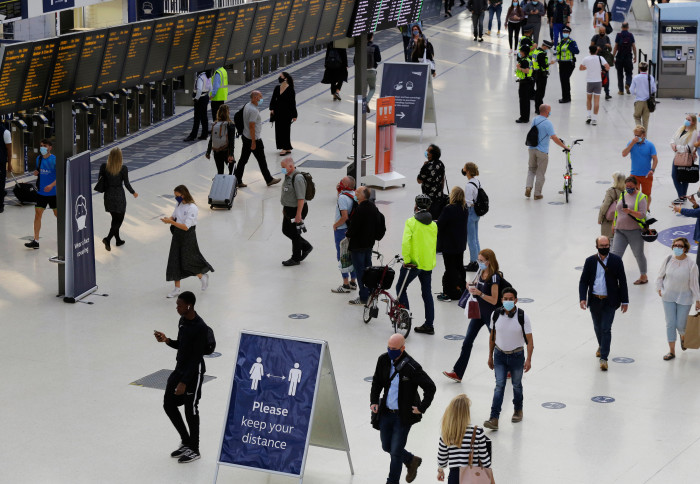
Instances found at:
x=24 y=192
x=223 y=191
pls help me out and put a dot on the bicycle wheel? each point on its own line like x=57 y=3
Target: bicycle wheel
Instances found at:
x=369 y=310
x=402 y=322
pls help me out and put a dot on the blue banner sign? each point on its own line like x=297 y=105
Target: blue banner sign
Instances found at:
x=54 y=5
x=620 y=9
x=408 y=84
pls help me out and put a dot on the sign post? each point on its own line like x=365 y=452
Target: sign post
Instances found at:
x=384 y=175
x=283 y=398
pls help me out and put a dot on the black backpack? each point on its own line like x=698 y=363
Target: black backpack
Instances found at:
x=380 y=227
x=533 y=136
x=238 y=121
x=310 y=185
x=211 y=341
x=333 y=59
x=481 y=203
x=521 y=320
x=501 y=287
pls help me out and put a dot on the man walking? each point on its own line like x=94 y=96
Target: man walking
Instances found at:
x=399 y=376
x=626 y=51
x=184 y=385
x=343 y=208
x=362 y=232
x=642 y=87
x=594 y=65
x=294 y=210
x=418 y=249
x=540 y=66
x=202 y=88
x=219 y=91
x=478 y=10
x=565 y=54
x=560 y=17
x=374 y=57
x=510 y=333
x=538 y=156
x=643 y=158
x=534 y=11
x=252 y=141
x=603 y=288
x=523 y=74
x=46 y=188
x=5 y=162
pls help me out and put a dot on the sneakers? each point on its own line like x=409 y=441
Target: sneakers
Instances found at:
x=356 y=302
x=205 y=281
x=528 y=191
x=342 y=289
x=425 y=329
x=188 y=456
x=188 y=139
x=481 y=39
x=108 y=248
x=538 y=197
x=620 y=93
x=608 y=96
x=474 y=39
x=274 y=181
x=290 y=262
x=412 y=468
x=174 y=293
x=336 y=96
x=678 y=201
x=473 y=266
x=241 y=185
x=491 y=424
x=353 y=285
x=305 y=253
x=517 y=416
x=603 y=365
x=627 y=88
x=32 y=245
x=452 y=376
x=588 y=120
x=488 y=32
x=594 y=122
x=179 y=452
x=443 y=297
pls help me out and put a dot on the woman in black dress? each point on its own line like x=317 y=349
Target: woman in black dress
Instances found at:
x=336 y=73
x=283 y=112
x=115 y=176
x=452 y=238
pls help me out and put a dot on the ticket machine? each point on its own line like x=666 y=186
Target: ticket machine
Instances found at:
x=134 y=108
x=97 y=128
x=121 y=113
x=109 y=117
x=677 y=58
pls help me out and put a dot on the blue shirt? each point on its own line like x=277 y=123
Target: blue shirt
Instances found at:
x=640 y=86
x=216 y=84
x=599 y=287
x=545 y=132
x=392 y=397
x=345 y=202
x=641 y=157
x=47 y=174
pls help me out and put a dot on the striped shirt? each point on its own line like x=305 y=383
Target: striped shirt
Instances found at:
x=459 y=456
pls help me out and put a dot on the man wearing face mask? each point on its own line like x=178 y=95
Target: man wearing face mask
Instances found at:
x=46 y=188
x=362 y=233
x=565 y=55
x=560 y=12
x=431 y=179
x=510 y=333
x=534 y=11
x=644 y=160
x=642 y=87
x=540 y=66
x=603 y=288
x=399 y=376
x=294 y=210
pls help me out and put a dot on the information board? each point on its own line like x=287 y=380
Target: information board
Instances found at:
x=113 y=60
x=327 y=23
x=375 y=15
x=38 y=73
x=65 y=67
x=15 y=60
x=89 y=64
x=180 y=45
x=201 y=41
x=241 y=32
x=278 y=25
x=158 y=50
x=294 y=24
x=256 y=40
x=313 y=18
x=222 y=38
x=362 y=18
x=137 y=53
x=342 y=21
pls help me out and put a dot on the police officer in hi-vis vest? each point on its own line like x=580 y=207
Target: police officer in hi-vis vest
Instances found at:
x=540 y=66
x=219 y=91
x=523 y=73
x=565 y=54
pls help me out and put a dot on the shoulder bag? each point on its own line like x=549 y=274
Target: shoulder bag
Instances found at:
x=651 y=102
x=375 y=417
x=683 y=158
x=471 y=474
x=604 y=75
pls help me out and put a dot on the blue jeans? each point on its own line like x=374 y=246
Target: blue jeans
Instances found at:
x=339 y=235
x=681 y=187
x=361 y=259
x=676 y=319
x=425 y=278
x=502 y=364
x=556 y=32
x=475 y=326
x=497 y=11
x=473 y=235
x=603 y=315
x=394 y=436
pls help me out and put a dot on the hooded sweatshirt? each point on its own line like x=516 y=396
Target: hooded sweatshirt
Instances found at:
x=419 y=242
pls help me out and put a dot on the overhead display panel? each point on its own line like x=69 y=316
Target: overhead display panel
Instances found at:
x=294 y=25
x=342 y=21
x=256 y=41
x=201 y=41
x=113 y=60
x=38 y=73
x=137 y=53
x=278 y=25
x=241 y=32
x=225 y=23
x=327 y=23
x=374 y=15
x=181 y=45
x=313 y=18
x=89 y=64
x=65 y=68
x=15 y=61
x=158 y=50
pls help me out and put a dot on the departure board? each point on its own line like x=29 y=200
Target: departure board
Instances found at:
x=15 y=60
x=241 y=32
x=158 y=50
x=294 y=25
x=389 y=12
x=114 y=57
x=363 y=18
x=136 y=54
x=342 y=21
x=89 y=64
x=222 y=38
x=325 y=27
x=256 y=41
x=181 y=45
x=313 y=17
x=201 y=42
x=65 y=67
x=38 y=73
x=278 y=25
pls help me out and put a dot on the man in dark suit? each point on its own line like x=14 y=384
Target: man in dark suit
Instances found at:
x=604 y=285
x=399 y=376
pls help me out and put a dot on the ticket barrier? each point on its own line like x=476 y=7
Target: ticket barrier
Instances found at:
x=109 y=117
x=96 y=126
x=134 y=108
x=121 y=113
x=21 y=145
x=156 y=101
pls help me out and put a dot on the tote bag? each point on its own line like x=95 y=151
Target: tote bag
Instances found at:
x=472 y=474
x=692 y=332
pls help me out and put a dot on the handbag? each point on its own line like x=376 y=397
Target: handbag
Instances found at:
x=688 y=174
x=473 y=311
x=100 y=185
x=692 y=332
x=651 y=102
x=471 y=474
x=604 y=75
x=684 y=158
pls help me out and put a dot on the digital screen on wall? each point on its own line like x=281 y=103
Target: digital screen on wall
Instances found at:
x=311 y=21
x=225 y=23
x=256 y=41
x=38 y=73
x=201 y=41
x=342 y=21
x=137 y=53
x=294 y=25
x=278 y=25
x=241 y=32
x=89 y=64
x=15 y=61
x=158 y=50
x=327 y=23
x=180 y=45
x=114 y=57
x=65 y=68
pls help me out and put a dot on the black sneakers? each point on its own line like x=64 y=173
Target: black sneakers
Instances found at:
x=179 y=452
x=425 y=329
x=473 y=266
x=188 y=456
x=32 y=245
x=290 y=262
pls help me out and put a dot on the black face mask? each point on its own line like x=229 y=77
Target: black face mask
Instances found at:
x=281 y=79
x=464 y=173
x=604 y=251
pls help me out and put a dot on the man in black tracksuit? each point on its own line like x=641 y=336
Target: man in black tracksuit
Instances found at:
x=184 y=385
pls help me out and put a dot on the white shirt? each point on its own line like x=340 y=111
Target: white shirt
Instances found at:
x=678 y=281
x=599 y=19
x=186 y=213
x=471 y=191
x=509 y=333
x=7 y=136
x=593 y=68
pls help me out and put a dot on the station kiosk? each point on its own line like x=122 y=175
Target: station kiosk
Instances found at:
x=674 y=49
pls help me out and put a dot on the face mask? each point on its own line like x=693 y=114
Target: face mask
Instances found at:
x=43 y=150
x=260 y=100
x=415 y=32
x=284 y=171
x=179 y=199
x=393 y=354
x=482 y=266
x=686 y=123
x=464 y=173
x=354 y=197
x=281 y=79
x=641 y=140
x=426 y=155
x=604 y=251
x=566 y=36
x=677 y=251
x=630 y=190
x=508 y=305
x=561 y=1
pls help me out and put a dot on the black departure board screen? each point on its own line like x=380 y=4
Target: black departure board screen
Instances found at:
x=65 y=67
x=313 y=17
x=294 y=24
x=225 y=23
x=325 y=27
x=278 y=25
x=201 y=41
x=89 y=64
x=158 y=50
x=256 y=41
x=38 y=73
x=363 y=18
x=342 y=21
x=181 y=45
x=114 y=57
x=428 y=9
x=137 y=53
x=374 y=15
x=241 y=32
x=15 y=61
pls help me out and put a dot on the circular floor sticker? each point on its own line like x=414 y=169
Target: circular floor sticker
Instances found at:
x=579 y=268
x=501 y=226
x=666 y=236
x=554 y=405
x=525 y=300
x=454 y=337
x=368 y=379
x=603 y=399
x=298 y=316
x=622 y=359
x=215 y=354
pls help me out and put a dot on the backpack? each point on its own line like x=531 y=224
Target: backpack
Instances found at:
x=211 y=341
x=380 y=227
x=333 y=60
x=238 y=121
x=219 y=136
x=532 y=139
x=371 y=49
x=501 y=287
x=481 y=203
x=310 y=186
x=521 y=320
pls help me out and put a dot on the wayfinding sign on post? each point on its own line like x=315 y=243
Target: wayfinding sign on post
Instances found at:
x=283 y=399
x=409 y=84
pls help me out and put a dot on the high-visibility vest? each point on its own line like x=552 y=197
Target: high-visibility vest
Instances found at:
x=520 y=41
x=535 y=64
x=640 y=196
x=520 y=74
x=222 y=92
x=563 y=51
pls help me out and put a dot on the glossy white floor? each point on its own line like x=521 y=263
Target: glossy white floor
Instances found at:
x=69 y=415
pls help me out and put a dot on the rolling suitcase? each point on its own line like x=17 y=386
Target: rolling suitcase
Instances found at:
x=223 y=191
x=24 y=192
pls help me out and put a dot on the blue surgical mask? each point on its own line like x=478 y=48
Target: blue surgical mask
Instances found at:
x=565 y=36
x=641 y=140
x=677 y=251
x=260 y=100
x=482 y=266
x=426 y=155
x=630 y=190
x=354 y=197
x=508 y=305
x=179 y=199
x=393 y=354
x=686 y=123
x=43 y=150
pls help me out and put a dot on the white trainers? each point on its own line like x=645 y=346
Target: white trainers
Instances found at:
x=205 y=281
x=174 y=293
x=594 y=122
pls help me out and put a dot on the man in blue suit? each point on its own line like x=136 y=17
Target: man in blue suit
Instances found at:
x=604 y=285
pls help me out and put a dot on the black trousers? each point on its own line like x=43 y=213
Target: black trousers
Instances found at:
x=283 y=134
x=3 y=180
x=289 y=229
x=190 y=400
x=200 y=117
x=448 y=5
x=259 y=154
x=513 y=34
x=215 y=105
x=525 y=87
x=117 y=220
x=623 y=65
x=454 y=278
x=221 y=160
x=565 y=71
x=540 y=88
x=335 y=86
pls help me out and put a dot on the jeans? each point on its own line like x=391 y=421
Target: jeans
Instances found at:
x=478 y=23
x=681 y=187
x=473 y=329
x=394 y=436
x=371 y=83
x=502 y=364
x=289 y=229
x=258 y=153
x=360 y=259
x=676 y=319
x=556 y=32
x=623 y=65
x=425 y=278
x=473 y=235
x=495 y=11
x=339 y=234
x=635 y=241
x=602 y=315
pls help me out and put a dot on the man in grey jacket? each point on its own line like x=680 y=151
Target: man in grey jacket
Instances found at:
x=478 y=9
x=534 y=11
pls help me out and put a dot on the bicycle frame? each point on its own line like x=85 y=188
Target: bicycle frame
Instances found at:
x=568 y=176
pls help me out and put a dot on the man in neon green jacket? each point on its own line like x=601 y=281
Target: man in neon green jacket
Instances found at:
x=418 y=249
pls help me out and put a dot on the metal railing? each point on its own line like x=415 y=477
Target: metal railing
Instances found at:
x=176 y=6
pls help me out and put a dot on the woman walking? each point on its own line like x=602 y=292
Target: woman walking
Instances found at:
x=627 y=230
x=606 y=214
x=115 y=176
x=677 y=284
x=514 y=17
x=684 y=145
x=185 y=259
x=283 y=112
x=452 y=238
x=471 y=191
x=336 y=69
x=222 y=141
